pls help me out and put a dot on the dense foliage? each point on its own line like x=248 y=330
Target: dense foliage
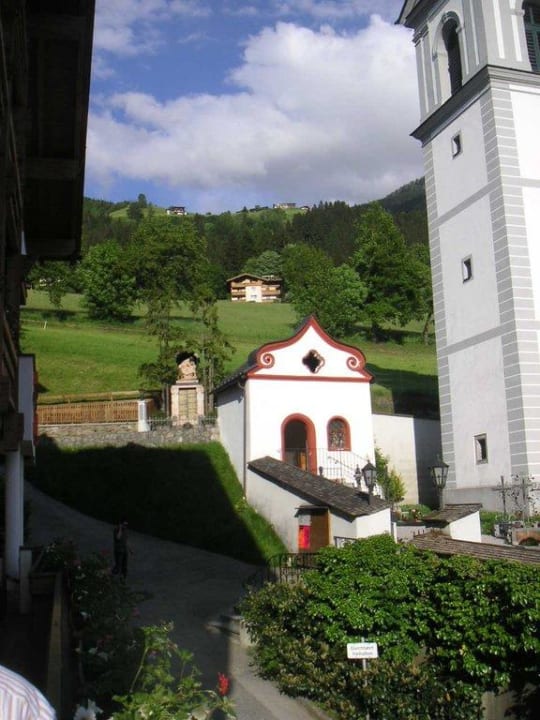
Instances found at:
x=108 y=283
x=132 y=672
x=447 y=630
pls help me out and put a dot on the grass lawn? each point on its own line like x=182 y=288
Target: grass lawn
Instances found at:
x=187 y=494
x=76 y=356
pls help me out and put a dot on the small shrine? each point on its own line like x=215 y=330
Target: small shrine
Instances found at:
x=187 y=394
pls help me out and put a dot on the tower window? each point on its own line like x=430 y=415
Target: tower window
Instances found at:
x=456 y=145
x=532 y=33
x=451 y=42
x=480 y=448
x=466 y=269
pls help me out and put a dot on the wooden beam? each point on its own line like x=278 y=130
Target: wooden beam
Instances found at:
x=52 y=168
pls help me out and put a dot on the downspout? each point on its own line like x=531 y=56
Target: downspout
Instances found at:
x=242 y=384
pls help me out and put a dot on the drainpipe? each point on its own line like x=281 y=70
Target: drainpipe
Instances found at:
x=242 y=384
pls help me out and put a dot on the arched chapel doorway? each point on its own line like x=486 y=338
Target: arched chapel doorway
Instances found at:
x=298 y=443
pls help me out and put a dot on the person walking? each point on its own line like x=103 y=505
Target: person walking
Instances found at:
x=120 y=546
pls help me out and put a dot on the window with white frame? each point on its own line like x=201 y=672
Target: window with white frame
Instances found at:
x=466 y=269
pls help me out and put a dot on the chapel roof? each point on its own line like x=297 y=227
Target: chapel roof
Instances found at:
x=252 y=362
x=346 y=501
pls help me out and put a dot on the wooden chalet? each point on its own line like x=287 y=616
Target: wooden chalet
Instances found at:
x=252 y=288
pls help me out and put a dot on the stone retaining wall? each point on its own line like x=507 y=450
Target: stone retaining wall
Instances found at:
x=120 y=434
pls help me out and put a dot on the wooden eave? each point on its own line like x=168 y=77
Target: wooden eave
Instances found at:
x=59 y=36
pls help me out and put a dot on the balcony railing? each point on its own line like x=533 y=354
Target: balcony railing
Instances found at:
x=341 y=466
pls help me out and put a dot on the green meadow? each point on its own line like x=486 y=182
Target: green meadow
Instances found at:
x=76 y=356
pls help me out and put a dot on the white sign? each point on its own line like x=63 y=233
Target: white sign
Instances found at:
x=362 y=651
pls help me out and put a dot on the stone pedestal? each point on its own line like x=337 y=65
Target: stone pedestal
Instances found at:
x=187 y=402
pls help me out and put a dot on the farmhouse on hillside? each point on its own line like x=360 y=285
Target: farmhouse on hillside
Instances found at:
x=252 y=288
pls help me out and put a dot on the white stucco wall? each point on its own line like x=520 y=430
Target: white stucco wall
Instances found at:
x=479 y=406
x=467 y=528
x=469 y=235
x=279 y=506
x=531 y=201
x=362 y=527
x=230 y=409
x=461 y=176
x=412 y=446
x=26 y=394
x=526 y=107
x=272 y=401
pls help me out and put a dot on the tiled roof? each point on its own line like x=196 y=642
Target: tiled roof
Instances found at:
x=450 y=513
x=345 y=501
x=444 y=545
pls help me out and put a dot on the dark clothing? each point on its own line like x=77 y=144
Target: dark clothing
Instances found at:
x=120 y=550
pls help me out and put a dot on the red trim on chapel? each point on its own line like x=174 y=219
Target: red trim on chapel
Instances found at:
x=311 y=322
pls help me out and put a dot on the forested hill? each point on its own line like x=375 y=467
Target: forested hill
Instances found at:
x=234 y=237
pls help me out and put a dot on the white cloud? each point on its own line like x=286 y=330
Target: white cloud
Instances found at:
x=314 y=115
x=130 y=27
x=339 y=9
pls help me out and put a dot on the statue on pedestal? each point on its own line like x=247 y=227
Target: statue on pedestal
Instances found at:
x=187 y=365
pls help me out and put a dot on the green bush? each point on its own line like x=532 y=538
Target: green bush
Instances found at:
x=447 y=630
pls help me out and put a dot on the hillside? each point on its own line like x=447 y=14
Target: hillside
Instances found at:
x=76 y=356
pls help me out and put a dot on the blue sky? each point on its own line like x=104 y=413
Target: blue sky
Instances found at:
x=220 y=105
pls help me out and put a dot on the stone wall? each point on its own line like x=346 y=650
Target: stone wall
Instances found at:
x=120 y=434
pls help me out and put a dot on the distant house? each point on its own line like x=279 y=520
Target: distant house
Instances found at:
x=284 y=206
x=252 y=288
x=176 y=210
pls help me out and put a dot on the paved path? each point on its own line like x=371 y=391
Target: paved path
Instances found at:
x=189 y=587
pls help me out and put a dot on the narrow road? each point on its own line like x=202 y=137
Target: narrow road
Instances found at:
x=187 y=586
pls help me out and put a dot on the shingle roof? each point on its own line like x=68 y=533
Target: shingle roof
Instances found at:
x=345 y=501
x=450 y=513
x=444 y=545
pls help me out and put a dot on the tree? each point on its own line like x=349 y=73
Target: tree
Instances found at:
x=211 y=346
x=390 y=481
x=394 y=276
x=108 y=283
x=134 y=212
x=334 y=294
x=56 y=278
x=267 y=263
x=169 y=261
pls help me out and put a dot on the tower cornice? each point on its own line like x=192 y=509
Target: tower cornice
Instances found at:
x=468 y=94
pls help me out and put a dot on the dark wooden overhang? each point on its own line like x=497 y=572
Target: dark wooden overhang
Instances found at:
x=59 y=36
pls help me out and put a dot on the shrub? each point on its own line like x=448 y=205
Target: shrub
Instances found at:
x=447 y=630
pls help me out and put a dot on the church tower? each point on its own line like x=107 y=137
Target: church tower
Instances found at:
x=478 y=68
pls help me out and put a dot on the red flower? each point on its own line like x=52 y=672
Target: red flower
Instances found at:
x=223 y=684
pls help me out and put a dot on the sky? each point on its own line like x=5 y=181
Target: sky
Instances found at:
x=217 y=105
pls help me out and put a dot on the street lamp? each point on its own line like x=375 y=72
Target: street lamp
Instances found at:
x=369 y=471
x=439 y=475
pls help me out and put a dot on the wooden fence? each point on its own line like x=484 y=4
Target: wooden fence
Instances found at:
x=89 y=412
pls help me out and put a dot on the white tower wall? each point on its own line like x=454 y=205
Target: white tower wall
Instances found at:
x=482 y=162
